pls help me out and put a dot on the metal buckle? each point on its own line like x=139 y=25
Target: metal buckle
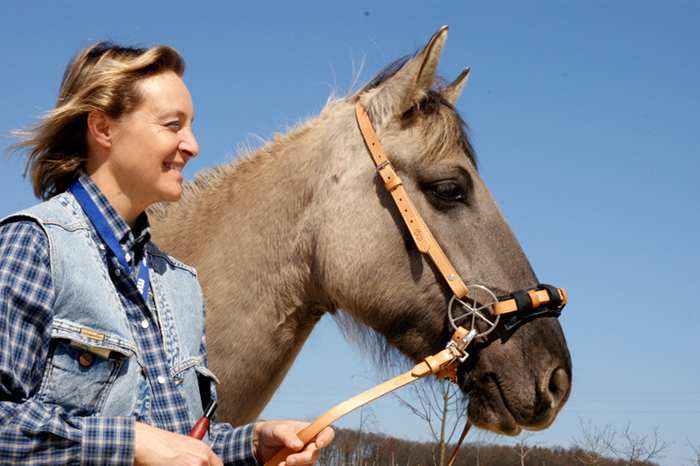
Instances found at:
x=461 y=345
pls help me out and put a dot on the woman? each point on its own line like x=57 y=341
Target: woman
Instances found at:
x=102 y=350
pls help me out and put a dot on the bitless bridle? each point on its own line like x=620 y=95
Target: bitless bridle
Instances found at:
x=474 y=311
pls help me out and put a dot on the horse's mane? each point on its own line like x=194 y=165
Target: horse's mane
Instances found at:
x=212 y=178
x=451 y=130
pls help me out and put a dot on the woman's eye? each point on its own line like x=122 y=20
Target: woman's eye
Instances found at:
x=173 y=125
x=448 y=191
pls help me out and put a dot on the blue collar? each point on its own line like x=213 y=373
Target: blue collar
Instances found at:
x=106 y=233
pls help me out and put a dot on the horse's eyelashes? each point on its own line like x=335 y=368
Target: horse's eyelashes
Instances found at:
x=447 y=193
x=449 y=190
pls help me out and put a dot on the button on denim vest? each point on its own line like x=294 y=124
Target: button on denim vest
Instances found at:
x=94 y=365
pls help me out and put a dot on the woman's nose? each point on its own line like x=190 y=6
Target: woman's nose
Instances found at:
x=189 y=144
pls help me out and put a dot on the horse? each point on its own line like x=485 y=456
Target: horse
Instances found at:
x=303 y=227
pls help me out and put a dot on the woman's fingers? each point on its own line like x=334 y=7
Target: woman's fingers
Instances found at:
x=272 y=435
x=309 y=455
x=325 y=437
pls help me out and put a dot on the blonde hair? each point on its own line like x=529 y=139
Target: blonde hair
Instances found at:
x=103 y=77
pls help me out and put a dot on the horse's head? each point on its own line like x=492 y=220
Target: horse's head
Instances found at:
x=369 y=266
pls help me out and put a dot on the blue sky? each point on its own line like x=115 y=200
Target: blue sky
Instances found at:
x=598 y=100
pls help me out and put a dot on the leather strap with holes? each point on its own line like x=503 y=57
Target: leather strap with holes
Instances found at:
x=424 y=239
x=442 y=364
x=436 y=364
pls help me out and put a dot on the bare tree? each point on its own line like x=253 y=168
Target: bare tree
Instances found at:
x=695 y=448
x=634 y=447
x=522 y=446
x=351 y=447
x=483 y=439
x=440 y=405
x=594 y=442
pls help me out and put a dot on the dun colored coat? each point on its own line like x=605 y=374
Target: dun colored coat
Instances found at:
x=303 y=227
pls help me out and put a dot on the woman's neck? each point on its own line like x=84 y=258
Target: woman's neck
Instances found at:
x=124 y=203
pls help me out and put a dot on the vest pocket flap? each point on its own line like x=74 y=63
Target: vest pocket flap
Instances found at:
x=197 y=383
x=197 y=363
x=201 y=370
x=82 y=368
x=181 y=366
x=100 y=343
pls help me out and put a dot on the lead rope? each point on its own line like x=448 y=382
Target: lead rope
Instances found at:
x=453 y=456
x=443 y=364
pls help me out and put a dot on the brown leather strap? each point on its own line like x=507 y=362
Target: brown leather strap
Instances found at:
x=443 y=364
x=430 y=365
x=424 y=239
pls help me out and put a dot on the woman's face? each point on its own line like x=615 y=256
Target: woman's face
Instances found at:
x=152 y=144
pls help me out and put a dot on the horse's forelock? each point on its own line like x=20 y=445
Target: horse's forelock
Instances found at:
x=450 y=130
x=446 y=129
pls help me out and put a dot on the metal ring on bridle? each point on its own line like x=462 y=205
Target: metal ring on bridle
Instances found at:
x=476 y=306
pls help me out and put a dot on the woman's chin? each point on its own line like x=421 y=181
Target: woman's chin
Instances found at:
x=173 y=193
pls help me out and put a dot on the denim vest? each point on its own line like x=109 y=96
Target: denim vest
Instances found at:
x=94 y=366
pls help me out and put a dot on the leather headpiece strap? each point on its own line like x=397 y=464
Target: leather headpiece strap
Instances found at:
x=424 y=239
x=442 y=364
x=426 y=242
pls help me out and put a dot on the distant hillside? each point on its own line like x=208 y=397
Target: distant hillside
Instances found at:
x=353 y=448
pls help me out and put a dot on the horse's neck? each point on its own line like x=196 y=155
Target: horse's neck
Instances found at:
x=245 y=229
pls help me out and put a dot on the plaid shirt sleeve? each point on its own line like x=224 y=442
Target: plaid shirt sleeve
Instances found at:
x=31 y=432
x=234 y=445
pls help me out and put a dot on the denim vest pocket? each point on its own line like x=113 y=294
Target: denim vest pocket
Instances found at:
x=82 y=366
x=197 y=384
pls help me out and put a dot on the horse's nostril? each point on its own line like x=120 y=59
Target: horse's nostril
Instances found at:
x=559 y=385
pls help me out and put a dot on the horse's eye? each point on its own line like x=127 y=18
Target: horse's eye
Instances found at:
x=448 y=190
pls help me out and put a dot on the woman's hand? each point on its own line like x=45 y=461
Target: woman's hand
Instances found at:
x=271 y=436
x=157 y=447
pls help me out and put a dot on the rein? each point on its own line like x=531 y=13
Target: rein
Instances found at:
x=479 y=305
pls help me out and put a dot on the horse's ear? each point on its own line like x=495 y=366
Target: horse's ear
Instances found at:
x=405 y=88
x=452 y=92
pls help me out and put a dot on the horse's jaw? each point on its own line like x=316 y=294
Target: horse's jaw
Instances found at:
x=508 y=392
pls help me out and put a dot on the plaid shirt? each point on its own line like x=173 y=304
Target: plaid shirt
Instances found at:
x=34 y=433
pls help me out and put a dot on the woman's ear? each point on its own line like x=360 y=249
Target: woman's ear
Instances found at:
x=99 y=129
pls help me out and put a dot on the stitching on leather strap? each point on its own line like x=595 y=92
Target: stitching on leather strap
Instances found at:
x=421 y=234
